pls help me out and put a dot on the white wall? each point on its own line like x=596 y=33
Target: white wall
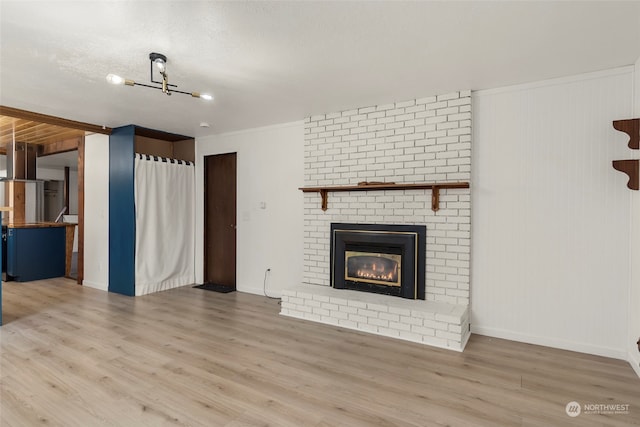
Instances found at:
x=551 y=216
x=50 y=174
x=96 y=211
x=58 y=175
x=270 y=170
x=33 y=201
x=634 y=294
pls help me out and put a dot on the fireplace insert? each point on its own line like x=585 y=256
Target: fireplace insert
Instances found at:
x=379 y=258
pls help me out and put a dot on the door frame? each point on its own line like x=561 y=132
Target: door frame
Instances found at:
x=80 y=264
x=206 y=220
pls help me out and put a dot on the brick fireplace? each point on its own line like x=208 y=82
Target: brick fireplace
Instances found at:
x=423 y=140
x=379 y=258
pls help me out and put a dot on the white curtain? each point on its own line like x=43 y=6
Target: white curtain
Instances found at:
x=165 y=224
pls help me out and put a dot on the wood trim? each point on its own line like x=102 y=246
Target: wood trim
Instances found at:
x=434 y=187
x=158 y=134
x=37 y=133
x=80 y=211
x=68 y=248
x=59 y=147
x=52 y=120
x=16 y=201
x=66 y=188
x=378 y=187
x=47 y=224
x=205 y=252
x=435 y=198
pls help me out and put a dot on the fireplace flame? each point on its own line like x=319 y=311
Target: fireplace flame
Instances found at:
x=369 y=275
x=373 y=267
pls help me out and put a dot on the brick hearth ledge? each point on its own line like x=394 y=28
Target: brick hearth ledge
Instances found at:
x=426 y=322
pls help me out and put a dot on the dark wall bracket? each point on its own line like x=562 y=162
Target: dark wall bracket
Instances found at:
x=632 y=128
x=631 y=167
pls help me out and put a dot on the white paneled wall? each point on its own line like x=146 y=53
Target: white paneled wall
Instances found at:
x=551 y=217
x=634 y=294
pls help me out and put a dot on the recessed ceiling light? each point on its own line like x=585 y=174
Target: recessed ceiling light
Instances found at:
x=204 y=124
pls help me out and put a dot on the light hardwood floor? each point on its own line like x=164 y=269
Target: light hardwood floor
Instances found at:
x=74 y=356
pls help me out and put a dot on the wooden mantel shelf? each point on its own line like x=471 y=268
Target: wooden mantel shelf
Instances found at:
x=434 y=187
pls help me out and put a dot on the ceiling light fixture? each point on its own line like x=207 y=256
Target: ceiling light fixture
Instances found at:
x=158 y=61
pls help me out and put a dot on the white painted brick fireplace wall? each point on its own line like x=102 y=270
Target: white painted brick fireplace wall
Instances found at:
x=415 y=141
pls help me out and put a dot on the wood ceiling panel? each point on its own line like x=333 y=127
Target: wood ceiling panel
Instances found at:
x=31 y=132
x=51 y=134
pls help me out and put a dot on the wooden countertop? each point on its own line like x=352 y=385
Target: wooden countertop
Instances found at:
x=40 y=225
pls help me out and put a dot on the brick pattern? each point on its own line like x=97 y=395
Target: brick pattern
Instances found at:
x=437 y=324
x=421 y=140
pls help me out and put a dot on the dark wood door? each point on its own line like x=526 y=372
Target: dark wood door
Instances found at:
x=220 y=220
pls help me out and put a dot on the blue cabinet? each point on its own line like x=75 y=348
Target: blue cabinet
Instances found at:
x=35 y=253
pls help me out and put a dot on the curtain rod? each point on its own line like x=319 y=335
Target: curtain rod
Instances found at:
x=163 y=159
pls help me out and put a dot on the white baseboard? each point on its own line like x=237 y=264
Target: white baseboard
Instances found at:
x=550 y=342
x=94 y=285
x=634 y=361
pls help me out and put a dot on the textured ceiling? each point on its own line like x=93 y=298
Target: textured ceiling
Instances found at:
x=273 y=62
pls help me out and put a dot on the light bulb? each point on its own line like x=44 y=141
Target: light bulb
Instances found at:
x=160 y=64
x=204 y=96
x=115 y=80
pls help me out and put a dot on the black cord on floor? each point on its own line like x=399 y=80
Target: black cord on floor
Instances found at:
x=264 y=285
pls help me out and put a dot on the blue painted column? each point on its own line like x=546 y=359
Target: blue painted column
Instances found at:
x=122 y=225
